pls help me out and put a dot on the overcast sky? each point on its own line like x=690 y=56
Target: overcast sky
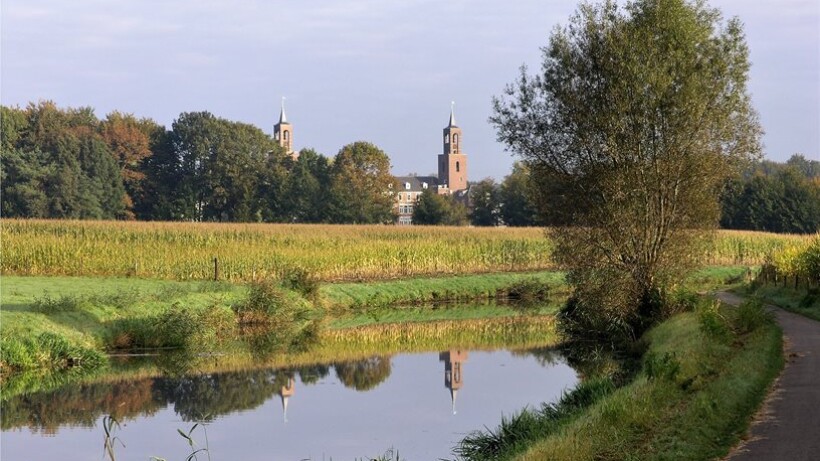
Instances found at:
x=374 y=70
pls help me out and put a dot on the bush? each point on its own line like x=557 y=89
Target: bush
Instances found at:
x=301 y=281
x=751 y=315
x=712 y=323
x=65 y=303
x=274 y=319
x=529 y=290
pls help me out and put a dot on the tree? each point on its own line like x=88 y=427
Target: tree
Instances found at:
x=307 y=195
x=775 y=197
x=637 y=119
x=58 y=166
x=129 y=141
x=517 y=205
x=484 y=200
x=217 y=164
x=361 y=191
x=435 y=209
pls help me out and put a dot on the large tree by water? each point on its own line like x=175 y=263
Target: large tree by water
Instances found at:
x=631 y=128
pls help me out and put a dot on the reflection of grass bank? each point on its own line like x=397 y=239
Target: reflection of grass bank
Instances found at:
x=86 y=316
x=703 y=376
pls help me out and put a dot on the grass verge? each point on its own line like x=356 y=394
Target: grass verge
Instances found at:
x=800 y=301
x=703 y=376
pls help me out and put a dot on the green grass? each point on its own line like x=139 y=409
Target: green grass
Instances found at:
x=431 y=289
x=693 y=398
x=800 y=301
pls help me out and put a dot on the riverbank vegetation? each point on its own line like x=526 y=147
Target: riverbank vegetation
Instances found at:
x=68 y=323
x=702 y=377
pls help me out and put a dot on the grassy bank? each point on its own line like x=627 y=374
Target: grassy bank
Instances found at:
x=244 y=252
x=64 y=322
x=704 y=375
x=800 y=301
x=46 y=322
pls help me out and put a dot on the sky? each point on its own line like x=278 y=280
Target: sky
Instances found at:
x=372 y=70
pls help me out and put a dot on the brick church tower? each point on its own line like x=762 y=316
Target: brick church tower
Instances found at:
x=283 y=133
x=452 y=164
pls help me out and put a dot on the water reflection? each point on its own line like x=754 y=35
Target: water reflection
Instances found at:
x=453 y=376
x=341 y=408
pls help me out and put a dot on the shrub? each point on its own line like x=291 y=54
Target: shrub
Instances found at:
x=751 y=315
x=712 y=323
x=529 y=290
x=274 y=319
x=65 y=303
x=301 y=281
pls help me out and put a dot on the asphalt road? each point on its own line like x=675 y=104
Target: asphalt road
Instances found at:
x=789 y=429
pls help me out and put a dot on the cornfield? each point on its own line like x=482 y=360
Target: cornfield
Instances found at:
x=242 y=252
x=797 y=263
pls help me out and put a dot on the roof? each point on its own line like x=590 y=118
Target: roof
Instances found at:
x=416 y=183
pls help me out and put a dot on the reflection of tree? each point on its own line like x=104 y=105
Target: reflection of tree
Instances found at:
x=207 y=396
x=545 y=356
x=79 y=405
x=592 y=359
x=364 y=374
x=311 y=374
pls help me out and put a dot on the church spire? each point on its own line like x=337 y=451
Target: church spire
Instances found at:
x=452 y=114
x=282 y=117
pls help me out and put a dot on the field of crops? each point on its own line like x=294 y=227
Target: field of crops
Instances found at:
x=186 y=251
x=797 y=263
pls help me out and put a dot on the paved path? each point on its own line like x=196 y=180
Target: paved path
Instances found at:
x=790 y=427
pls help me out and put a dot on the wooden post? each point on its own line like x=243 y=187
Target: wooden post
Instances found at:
x=216 y=269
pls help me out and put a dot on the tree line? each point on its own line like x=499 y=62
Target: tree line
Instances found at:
x=67 y=163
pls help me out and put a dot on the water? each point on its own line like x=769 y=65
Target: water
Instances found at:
x=421 y=404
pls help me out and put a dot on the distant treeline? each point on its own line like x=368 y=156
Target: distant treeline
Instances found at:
x=775 y=197
x=67 y=163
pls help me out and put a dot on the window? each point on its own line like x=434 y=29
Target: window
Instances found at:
x=458 y=167
x=424 y=185
x=446 y=138
x=407 y=186
x=287 y=135
x=455 y=139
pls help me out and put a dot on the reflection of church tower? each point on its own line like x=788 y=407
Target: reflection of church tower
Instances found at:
x=452 y=163
x=453 y=377
x=286 y=392
x=283 y=133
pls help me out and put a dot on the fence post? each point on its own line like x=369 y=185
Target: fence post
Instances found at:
x=216 y=269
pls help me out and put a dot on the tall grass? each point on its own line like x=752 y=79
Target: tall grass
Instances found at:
x=244 y=252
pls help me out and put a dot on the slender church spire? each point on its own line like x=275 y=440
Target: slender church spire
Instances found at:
x=452 y=114
x=282 y=117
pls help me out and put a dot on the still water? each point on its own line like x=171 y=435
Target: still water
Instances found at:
x=420 y=404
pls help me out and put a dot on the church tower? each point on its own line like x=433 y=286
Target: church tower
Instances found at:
x=283 y=132
x=452 y=163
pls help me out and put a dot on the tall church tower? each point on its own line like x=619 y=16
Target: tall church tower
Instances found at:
x=283 y=132
x=452 y=164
